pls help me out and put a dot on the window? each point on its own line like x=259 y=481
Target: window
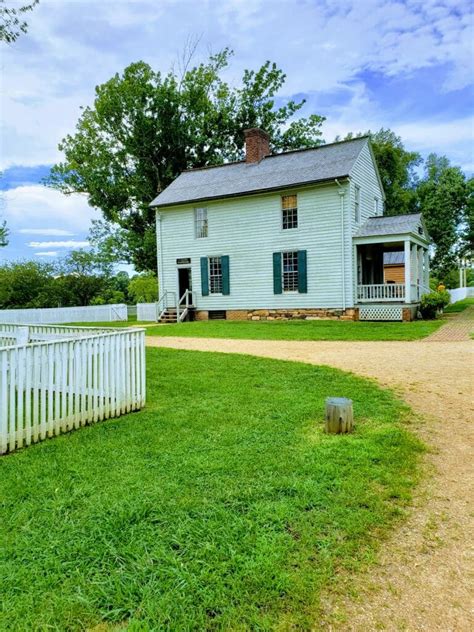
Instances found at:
x=289 y=210
x=357 y=204
x=200 y=220
x=290 y=271
x=215 y=275
x=376 y=206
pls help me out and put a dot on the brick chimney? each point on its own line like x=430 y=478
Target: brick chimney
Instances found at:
x=257 y=144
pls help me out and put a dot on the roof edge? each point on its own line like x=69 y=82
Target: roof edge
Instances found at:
x=282 y=153
x=249 y=193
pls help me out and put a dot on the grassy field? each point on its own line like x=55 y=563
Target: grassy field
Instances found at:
x=299 y=330
x=221 y=506
x=459 y=306
x=292 y=329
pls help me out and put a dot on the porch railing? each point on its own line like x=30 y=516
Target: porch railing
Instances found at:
x=381 y=292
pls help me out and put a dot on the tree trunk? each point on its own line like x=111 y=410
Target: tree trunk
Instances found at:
x=339 y=415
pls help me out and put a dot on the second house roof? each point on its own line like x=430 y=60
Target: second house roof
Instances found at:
x=279 y=171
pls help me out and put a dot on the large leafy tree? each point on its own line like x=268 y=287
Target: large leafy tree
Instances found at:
x=397 y=168
x=445 y=199
x=145 y=128
x=12 y=22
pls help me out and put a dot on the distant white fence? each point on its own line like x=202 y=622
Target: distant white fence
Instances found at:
x=146 y=311
x=460 y=293
x=89 y=314
x=65 y=378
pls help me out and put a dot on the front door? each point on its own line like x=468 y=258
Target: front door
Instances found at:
x=185 y=282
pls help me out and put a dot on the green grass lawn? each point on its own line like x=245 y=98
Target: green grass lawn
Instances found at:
x=459 y=306
x=221 y=506
x=292 y=329
x=300 y=330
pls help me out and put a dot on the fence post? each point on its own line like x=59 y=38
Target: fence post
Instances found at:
x=22 y=335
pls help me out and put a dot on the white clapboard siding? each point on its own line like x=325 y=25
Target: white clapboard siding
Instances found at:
x=53 y=386
x=91 y=313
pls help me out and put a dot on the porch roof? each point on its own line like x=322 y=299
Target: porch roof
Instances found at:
x=393 y=225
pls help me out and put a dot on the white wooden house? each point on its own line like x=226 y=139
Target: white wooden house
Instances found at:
x=299 y=234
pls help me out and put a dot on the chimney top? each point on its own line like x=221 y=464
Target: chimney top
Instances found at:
x=257 y=144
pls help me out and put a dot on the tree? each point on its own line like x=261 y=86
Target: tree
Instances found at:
x=145 y=128
x=21 y=283
x=445 y=199
x=397 y=167
x=12 y=24
x=84 y=275
x=143 y=288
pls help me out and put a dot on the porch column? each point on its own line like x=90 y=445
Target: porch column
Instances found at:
x=427 y=268
x=414 y=280
x=419 y=280
x=407 y=250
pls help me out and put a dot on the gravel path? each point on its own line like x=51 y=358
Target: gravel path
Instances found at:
x=423 y=578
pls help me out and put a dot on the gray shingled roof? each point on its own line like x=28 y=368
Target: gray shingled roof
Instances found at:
x=273 y=172
x=390 y=225
x=393 y=258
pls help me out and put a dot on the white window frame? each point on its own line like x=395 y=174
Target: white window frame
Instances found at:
x=292 y=210
x=201 y=224
x=376 y=205
x=212 y=275
x=294 y=288
x=357 y=204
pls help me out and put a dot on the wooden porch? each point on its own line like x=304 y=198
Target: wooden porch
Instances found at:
x=372 y=284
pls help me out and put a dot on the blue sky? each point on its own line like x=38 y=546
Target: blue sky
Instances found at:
x=364 y=64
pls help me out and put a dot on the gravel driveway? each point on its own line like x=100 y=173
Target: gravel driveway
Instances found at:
x=422 y=579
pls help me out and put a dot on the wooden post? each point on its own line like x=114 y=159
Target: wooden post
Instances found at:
x=339 y=415
x=407 y=249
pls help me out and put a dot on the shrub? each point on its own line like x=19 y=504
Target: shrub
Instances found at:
x=433 y=303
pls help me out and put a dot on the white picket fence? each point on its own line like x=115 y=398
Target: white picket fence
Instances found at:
x=88 y=314
x=65 y=378
x=147 y=311
x=461 y=293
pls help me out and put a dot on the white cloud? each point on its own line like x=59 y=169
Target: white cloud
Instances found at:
x=47 y=253
x=52 y=71
x=58 y=244
x=51 y=232
x=35 y=205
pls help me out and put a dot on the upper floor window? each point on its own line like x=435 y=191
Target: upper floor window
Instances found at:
x=357 y=204
x=200 y=222
x=215 y=275
x=376 y=206
x=290 y=271
x=289 y=211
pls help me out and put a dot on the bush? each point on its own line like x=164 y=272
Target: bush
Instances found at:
x=433 y=303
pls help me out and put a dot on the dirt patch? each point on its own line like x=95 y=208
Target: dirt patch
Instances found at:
x=424 y=574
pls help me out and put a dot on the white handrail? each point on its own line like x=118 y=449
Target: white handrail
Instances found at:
x=181 y=314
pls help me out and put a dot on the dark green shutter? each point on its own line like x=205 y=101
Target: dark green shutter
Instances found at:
x=204 y=277
x=277 y=287
x=225 y=275
x=302 y=275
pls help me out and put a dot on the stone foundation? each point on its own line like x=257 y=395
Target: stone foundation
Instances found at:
x=319 y=313
x=236 y=314
x=409 y=313
x=303 y=314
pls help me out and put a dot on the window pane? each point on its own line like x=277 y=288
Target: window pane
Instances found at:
x=290 y=271
x=200 y=216
x=289 y=206
x=215 y=275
